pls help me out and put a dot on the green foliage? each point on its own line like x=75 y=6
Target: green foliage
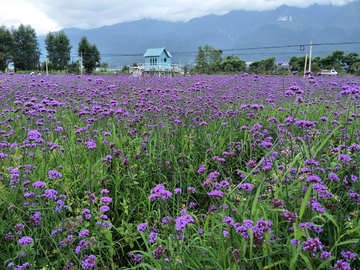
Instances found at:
x=6 y=45
x=297 y=63
x=140 y=149
x=207 y=58
x=337 y=60
x=234 y=64
x=104 y=66
x=74 y=67
x=90 y=55
x=228 y=67
x=125 y=69
x=351 y=59
x=26 y=51
x=58 y=50
x=262 y=65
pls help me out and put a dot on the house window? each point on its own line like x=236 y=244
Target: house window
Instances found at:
x=164 y=59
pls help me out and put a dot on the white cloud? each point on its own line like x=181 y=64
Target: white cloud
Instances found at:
x=46 y=15
x=12 y=13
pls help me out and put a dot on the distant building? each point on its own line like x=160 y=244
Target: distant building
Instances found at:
x=158 y=59
x=157 y=62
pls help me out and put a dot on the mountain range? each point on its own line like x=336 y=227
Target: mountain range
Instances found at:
x=238 y=32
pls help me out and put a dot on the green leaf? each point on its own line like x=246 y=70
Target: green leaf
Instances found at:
x=327 y=262
x=305 y=200
x=251 y=241
x=253 y=208
x=352 y=230
x=306 y=149
x=323 y=142
x=295 y=255
x=290 y=167
x=108 y=235
x=273 y=264
x=319 y=217
x=306 y=259
x=332 y=220
x=351 y=241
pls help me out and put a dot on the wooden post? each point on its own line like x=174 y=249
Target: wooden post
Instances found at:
x=310 y=55
x=46 y=64
x=305 y=63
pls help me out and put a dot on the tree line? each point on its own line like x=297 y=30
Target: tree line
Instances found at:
x=337 y=60
x=209 y=60
x=20 y=46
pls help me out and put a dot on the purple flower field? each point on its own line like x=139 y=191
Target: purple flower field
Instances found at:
x=192 y=172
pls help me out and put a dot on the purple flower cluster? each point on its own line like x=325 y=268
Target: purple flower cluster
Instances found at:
x=159 y=193
x=311 y=245
x=183 y=221
x=53 y=174
x=25 y=240
x=89 y=261
x=285 y=114
x=262 y=226
x=201 y=169
x=247 y=187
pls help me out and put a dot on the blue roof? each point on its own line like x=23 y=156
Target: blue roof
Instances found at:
x=156 y=52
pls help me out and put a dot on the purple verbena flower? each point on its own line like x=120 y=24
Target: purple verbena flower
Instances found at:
x=25 y=240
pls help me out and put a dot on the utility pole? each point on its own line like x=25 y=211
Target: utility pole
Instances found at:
x=81 y=64
x=305 y=63
x=310 y=55
x=46 y=64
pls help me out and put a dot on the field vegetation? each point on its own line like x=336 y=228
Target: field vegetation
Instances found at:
x=192 y=172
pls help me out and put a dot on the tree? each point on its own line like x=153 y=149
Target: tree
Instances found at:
x=58 y=49
x=351 y=59
x=104 y=66
x=6 y=45
x=268 y=63
x=186 y=70
x=26 y=51
x=200 y=60
x=328 y=62
x=125 y=69
x=233 y=64
x=254 y=65
x=206 y=58
x=262 y=65
x=336 y=60
x=355 y=68
x=297 y=63
x=228 y=68
x=74 y=67
x=338 y=56
x=90 y=55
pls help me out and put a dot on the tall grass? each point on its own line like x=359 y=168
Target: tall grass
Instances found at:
x=268 y=178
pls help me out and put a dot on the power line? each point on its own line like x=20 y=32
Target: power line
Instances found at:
x=251 y=48
x=288 y=46
x=228 y=50
x=225 y=50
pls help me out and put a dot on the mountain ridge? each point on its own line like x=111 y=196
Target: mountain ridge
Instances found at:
x=234 y=30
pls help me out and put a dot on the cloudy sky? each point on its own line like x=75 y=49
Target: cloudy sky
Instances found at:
x=50 y=15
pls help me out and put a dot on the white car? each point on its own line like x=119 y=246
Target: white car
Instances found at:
x=329 y=72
